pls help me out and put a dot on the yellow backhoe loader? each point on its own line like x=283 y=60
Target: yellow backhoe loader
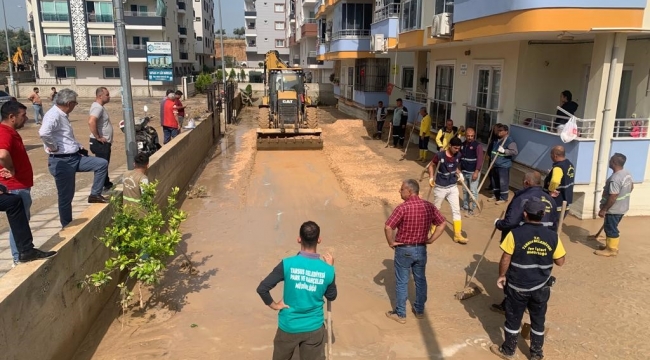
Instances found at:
x=288 y=119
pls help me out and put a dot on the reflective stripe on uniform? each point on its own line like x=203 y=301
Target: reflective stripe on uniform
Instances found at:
x=532 y=266
x=544 y=223
x=531 y=289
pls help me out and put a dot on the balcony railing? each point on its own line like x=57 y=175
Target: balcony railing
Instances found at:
x=54 y=17
x=631 y=128
x=440 y=111
x=101 y=18
x=250 y=13
x=136 y=46
x=140 y=13
x=342 y=34
x=181 y=6
x=58 y=50
x=311 y=60
x=549 y=122
x=309 y=21
x=251 y=44
x=102 y=51
x=419 y=97
x=311 y=54
x=184 y=56
x=390 y=11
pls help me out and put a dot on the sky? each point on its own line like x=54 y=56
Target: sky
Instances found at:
x=232 y=13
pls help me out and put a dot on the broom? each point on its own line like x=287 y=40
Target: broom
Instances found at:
x=469 y=292
x=329 y=330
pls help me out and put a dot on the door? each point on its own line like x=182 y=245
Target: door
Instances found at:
x=624 y=93
x=488 y=89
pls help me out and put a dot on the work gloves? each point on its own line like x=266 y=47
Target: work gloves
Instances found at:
x=501 y=150
x=432 y=182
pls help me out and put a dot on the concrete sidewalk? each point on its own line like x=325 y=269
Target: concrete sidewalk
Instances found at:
x=46 y=224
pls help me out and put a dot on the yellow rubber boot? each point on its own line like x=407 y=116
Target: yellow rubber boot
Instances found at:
x=611 y=249
x=458 y=235
x=424 y=155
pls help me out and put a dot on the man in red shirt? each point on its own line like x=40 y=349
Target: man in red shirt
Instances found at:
x=178 y=105
x=15 y=168
x=171 y=126
x=414 y=219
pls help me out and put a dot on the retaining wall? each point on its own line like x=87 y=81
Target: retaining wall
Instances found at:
x=43 y=313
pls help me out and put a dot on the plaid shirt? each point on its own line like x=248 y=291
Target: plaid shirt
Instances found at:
x=413 y=219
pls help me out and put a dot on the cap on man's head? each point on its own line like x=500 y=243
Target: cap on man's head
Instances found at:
x=535 y=206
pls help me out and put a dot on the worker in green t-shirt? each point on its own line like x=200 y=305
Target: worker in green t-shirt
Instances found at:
x=308 y=278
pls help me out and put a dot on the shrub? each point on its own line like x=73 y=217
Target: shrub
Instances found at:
x=202 y=82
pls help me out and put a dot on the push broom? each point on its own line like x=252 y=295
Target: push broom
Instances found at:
x=469 y=292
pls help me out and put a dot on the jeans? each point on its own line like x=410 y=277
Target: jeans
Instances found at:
x=500 y=182
x=64 y=170
x=26 y=197
x=515 y=304
x=170 y=133
x=103 y=151
x=38 y=111
x=611 y=225
x=473 y=187
x=13 y=206
x=412 y=259
x=311 y=344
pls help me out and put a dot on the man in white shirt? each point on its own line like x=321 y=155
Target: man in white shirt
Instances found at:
x=101 y=129
x=381 y=118
x=67 y=156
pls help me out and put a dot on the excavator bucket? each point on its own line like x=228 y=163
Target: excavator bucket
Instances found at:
x=275 y=139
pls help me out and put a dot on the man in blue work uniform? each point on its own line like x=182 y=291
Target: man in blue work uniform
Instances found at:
x=529 y=253
x=559 y=181
x=515 y=213
x=308 y=279
x=505 y=149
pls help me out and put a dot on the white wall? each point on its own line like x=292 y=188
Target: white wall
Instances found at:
x=505 y=54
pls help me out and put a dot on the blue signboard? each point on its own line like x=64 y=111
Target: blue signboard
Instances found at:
x=159 y=61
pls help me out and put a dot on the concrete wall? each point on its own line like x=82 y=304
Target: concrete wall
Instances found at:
x=43 y=314
x=88 y=91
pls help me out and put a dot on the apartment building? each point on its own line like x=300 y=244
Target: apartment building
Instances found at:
x=266 y=29
x=481 y=63
x=204 y=34
x=75 y=40
x=303 y=41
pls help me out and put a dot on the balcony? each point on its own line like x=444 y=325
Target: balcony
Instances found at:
x=184 y=55
x=136 y=50
x=101 y=18
x=140 y=18
x=250 y=14
x=309 y=30
x=55 y=17
x=311 y=60
x=251 y=46
x=182 y=31
x=103 y=51
x=476 y=9
x=390 y=11
x=292 y=40
x=58 y=50
x=182 y=7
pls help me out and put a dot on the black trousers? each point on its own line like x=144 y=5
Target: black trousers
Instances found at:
x=516 y=303
x=310 y=344
x=398 y=135
x=102 y=151
x=13 y=206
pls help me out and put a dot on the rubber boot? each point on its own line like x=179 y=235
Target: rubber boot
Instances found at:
x=536 y=346
x=507 y=349
x=611 y=248
x=458 y=235
x=420 y=156
x=424 y=155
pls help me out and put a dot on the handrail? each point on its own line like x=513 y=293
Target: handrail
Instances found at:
x=141 y=13
x=631 y=128
x=548 y=122
x=350 y=33
x=420 y=97
x=482 y=108
x=443 y=101
x=387 y=12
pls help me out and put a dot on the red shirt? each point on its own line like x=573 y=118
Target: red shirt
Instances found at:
x=168 y=111
x=11 y=141
x=178 y=103
x=413 y=219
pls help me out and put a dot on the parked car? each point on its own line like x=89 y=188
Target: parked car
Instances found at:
x=4 y=97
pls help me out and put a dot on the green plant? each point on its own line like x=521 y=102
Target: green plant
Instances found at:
x=232 y=74
x=242 y=75
x=141 y=237
x=202 y=82
x=249 y=89
x=260 y=64
x=219 y=75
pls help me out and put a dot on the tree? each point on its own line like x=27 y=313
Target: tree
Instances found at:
x=141 y=237
x=232 y=74
x=17 y=38
x=242 y=75
x=239 y=32
x=220 y=31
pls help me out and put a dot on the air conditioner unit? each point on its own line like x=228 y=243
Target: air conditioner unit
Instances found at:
x=377 y=43
x=441 y=26
x=46 y=66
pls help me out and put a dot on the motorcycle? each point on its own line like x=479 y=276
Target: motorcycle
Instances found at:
x=146 y=137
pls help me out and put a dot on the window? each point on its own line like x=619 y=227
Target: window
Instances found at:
x=199 y=38
x=99 y=11
x=197 y=19
x=440 y=108
x=408 y=73
x=102 y=45
x=444 y=6
x=111 y=73
x=56 y=44
x=371 y=75
x=279 y=8
x=65 y=72
x=279 y=42
x=279 y=25
x=356 y=17
x=54 y=10
x=411 y=13
x=484 y=114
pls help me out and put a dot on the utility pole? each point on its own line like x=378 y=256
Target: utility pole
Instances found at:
x=12 y=83
x=223 y=69
x=125 y=81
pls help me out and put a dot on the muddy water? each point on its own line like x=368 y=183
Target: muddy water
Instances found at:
x=250 y=221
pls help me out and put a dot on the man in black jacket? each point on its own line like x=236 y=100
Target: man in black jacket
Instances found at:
x=515 y=213
x=567 y=104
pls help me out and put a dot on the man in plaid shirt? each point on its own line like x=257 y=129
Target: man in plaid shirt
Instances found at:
x=413 y=219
